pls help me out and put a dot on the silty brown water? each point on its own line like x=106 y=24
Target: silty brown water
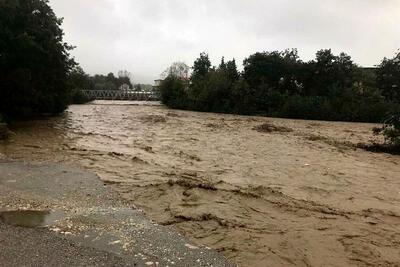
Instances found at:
x=302 y=196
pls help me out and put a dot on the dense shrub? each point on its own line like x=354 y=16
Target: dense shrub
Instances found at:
x=391 y=129
x=173 y=92
x=297 y=106
x=79 y=98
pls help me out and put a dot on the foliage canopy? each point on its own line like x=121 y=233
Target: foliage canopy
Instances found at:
x=34 y=60
x=278 y=83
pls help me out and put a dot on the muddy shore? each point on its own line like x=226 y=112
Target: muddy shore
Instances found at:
x=296 y=194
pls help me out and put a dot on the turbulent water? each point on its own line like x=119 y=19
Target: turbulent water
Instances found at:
x=288 y=192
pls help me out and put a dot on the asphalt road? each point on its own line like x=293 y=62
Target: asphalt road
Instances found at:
x=21 y=246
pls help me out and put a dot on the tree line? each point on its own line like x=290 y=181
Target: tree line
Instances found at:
x=37 y=73
x=278 y=83
x=79 y=80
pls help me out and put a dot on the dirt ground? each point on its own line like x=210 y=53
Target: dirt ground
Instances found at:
x=262 y=191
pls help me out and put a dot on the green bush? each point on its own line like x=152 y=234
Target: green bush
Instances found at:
x=173 y=92
x=391 y=129
x=79 y=98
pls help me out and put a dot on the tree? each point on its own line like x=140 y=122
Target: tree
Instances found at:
x=275 y=69
x=328 y=73
x=138 y=87
x=263 y=67
x=388 y=78
x=124 y=74
x=232 y=72
x=366 y=82
x=124 y=77
x=79 y=80
x=222 y=65
x=201 y=67
x=110 y=82
x=173 y=92
x=219 y=87
x=243 y=98
x=215 y=95
x=34 y=60
x=177 y=69
x=198 y=91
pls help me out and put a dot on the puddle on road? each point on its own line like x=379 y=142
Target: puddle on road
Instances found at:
x=31 y=218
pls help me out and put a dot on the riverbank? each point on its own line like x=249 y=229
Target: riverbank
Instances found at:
x=57 y=215
x=262 y=191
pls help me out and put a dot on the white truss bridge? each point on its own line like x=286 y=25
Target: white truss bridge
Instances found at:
x=121 y=95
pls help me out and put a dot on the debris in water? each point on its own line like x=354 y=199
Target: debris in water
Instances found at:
x=269 y=128
x=191 y=246
x=115 y=242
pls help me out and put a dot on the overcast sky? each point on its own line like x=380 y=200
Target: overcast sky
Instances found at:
x=145 y=36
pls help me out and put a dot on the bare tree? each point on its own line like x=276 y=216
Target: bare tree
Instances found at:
x=125 y=74
x=178 y=69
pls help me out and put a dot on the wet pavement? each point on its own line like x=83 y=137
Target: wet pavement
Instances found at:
x=69 y=217
x=31 y=218
x=22 y=246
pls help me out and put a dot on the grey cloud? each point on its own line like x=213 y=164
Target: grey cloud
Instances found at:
x=144 y=37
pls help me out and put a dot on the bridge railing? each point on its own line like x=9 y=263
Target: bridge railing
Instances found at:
x=121 y=95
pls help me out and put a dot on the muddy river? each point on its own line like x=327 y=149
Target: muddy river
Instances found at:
x=262 y=191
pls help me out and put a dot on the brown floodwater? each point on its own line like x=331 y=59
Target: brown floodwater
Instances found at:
x=290 y=193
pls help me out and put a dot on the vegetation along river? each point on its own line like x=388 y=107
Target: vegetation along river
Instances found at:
x=262 y=191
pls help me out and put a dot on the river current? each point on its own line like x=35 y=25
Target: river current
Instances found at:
x=298 y=194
